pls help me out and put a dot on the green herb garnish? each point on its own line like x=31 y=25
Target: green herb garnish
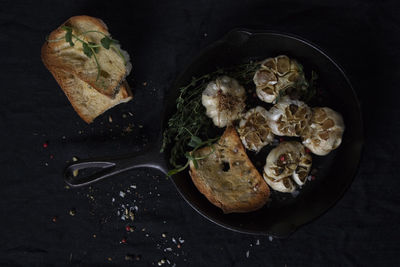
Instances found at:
x=312 y=87
x=90 y=48
x=189 y=123
x=196 y=143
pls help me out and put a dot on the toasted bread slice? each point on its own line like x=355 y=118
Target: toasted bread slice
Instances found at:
x=114 y=63
x=227 y=177
x=87 y=101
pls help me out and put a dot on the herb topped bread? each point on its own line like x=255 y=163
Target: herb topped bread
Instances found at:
x=227 y=177
x=89 y=65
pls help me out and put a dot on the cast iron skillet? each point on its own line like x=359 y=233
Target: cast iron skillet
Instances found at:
x=285 y=213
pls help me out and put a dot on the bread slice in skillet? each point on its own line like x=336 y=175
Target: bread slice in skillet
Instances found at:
x=227 y=177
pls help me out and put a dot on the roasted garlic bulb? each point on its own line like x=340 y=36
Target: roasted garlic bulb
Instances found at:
x=254 y=130
x=325 y=131
x=286 y=163
x=224 y=100
x=289 y=117
x=276 y=75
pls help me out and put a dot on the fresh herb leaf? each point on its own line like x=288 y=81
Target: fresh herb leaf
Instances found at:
x=68 y=35
x=106 y=42
x=87 y=50
x=194 y=141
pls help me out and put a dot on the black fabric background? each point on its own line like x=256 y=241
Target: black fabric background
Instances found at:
x=162 y=37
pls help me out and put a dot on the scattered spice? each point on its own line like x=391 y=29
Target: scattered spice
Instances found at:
x=129 y=257
x=45 y=144
x=123 y=241
x=281 y=139
x=109 y=119
x=128 y=128
x=307 y=150
x=51 y=157
x=109 y=259
x=72 y=212
x=54 y=219
x=94 y=236
x=144 y=83
x=163 y=235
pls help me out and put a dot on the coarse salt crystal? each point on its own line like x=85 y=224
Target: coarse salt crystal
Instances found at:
x=121 y=194
x=247 y=254
x=270 y=238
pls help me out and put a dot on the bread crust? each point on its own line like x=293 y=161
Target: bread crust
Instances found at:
x=246 y=190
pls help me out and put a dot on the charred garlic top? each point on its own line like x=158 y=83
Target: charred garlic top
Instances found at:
x=254 y=130
x=224 y=100
x=276 y=75
x=289 y=117
x=325 y=131
x=286 y=162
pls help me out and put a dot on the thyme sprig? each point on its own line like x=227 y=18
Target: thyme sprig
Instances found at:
x=312 y=88
x=196 y=143
x=190 y=122
x=90 y=48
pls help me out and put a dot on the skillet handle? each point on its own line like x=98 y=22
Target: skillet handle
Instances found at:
x=85 y=172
